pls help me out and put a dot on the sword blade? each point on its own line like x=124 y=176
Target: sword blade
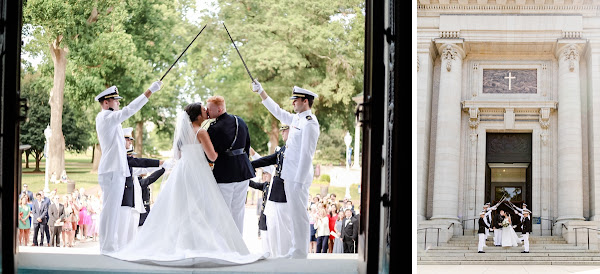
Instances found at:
x=182 y=53
x=236 y=49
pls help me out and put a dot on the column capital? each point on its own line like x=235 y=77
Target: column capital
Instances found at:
x=450 y=52
x=569 y=51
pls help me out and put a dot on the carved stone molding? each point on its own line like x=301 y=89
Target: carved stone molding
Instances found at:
x=544 y=118
x=449 y=54
x=570 y=53
x=473 y=123
x=544 y=124
x=418 y=64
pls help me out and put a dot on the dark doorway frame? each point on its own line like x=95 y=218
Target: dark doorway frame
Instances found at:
x=10 y=115
x=379 y=193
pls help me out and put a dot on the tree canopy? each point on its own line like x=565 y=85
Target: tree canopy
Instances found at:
x=317 y=45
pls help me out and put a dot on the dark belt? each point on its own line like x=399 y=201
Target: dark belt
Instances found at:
x=235 y=152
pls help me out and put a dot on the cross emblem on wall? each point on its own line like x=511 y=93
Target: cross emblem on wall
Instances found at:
x=509 y=77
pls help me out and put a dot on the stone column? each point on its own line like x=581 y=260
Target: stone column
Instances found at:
x=594 y=143
x=569 y=170
x=425 y=64
x=447 y=147
x=545 y=158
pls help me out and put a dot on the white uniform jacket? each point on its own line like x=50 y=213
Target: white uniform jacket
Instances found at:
x=111 y=138
x=301 y=143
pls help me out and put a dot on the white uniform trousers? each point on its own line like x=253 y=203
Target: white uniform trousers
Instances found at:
x=497 y=236
x=129 y=220
x=235 y=195
x=278 y=228
x=112 y=186
x=526 y=241
x=481 y=243
x=264 y=241
x=297 y=198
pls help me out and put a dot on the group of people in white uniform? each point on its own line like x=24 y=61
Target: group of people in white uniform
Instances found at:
x=502 y=226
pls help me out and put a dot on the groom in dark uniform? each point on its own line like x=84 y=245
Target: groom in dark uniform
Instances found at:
x=232 y=169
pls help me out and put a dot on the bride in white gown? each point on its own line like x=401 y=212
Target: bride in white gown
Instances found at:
x=509 y=236
x=190 y=224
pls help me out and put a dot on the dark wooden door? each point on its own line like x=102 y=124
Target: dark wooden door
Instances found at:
x=380 y=119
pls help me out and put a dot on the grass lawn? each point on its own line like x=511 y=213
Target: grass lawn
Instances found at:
x=78 y=168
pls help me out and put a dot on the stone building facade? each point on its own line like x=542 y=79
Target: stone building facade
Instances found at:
x=508 y=104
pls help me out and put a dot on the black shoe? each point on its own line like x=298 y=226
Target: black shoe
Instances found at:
x=480 y=252
x=524 y=251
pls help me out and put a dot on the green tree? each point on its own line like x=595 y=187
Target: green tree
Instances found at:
x=62 y=24
x=35 y=87
x=97 y=44
x=317 y=45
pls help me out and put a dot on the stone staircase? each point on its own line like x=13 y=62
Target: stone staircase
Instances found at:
x=543 y=250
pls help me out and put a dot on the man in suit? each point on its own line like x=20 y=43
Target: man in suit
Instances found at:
x=145 y=185
x=56 y=213
x=46 y=201
x=40 y=210
x=131 y=204
x=27 y=192
x=232 y=169
x=349 y=231
x=113 y=168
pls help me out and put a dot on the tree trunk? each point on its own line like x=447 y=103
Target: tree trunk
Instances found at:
x=56 y=148
x=96 y=158
x=27 y=159
x=139 y=138
x=38 y=159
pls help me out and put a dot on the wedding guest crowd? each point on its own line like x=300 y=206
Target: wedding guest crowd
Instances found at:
x=333 y=225
x=59 y=220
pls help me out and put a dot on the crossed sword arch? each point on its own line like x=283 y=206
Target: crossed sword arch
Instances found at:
x=236 y=49
x=503 y=199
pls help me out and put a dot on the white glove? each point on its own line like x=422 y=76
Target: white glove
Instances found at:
x=155 y=86
x=257 y=87
x=167 y=164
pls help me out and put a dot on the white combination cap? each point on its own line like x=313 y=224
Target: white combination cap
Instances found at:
x=111 y=92
x=303 y=93
x=128 y=132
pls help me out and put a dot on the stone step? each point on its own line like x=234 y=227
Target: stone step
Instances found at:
x=510 y=258
x=511 y=253
x=491 y=247
x=517 y=262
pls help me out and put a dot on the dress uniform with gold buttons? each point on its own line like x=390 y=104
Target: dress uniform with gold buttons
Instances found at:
x=297 y=172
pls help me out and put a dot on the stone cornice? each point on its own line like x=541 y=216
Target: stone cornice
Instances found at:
x=503 y=104
x=582 y=7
